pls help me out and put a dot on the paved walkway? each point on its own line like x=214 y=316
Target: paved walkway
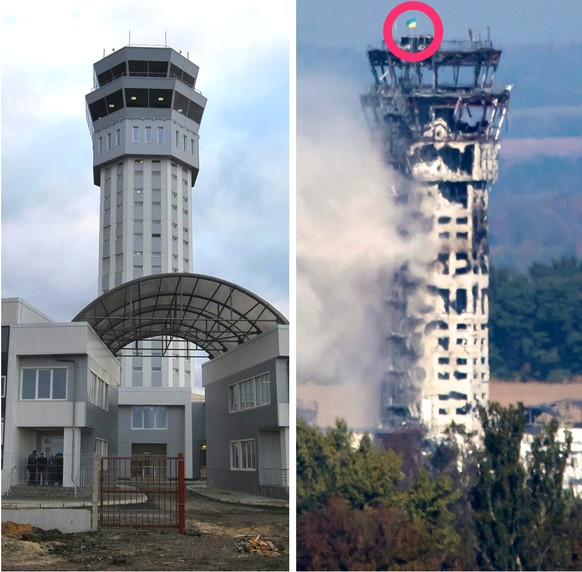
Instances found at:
x=197 y=487
x=235 y=497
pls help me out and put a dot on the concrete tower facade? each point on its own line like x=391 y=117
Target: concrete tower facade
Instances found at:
x=439 y=123
x=144 y=114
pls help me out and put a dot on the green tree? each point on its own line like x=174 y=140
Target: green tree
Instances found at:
x=521 y=510
x=428 y=504
x=535 y=322
x=329 y=464
x=349 y=498
x=549 y=542
x=498 y=497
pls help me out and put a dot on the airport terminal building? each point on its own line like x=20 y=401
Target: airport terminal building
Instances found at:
x=118 y=379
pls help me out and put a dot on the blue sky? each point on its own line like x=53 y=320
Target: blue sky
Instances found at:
x=50 y=207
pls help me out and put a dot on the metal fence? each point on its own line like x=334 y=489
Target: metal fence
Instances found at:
x=276 y=478
x=55 y=476
x=142 y=491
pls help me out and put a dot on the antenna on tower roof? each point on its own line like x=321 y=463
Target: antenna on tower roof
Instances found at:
x=166 y=38
x=129 y=37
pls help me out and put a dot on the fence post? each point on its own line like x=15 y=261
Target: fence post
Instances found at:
x=96 y=489
x=181 y=495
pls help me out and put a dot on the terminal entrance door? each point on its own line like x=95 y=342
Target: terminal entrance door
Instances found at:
x=149 y=460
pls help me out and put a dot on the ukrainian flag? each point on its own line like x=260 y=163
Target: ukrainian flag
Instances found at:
x=411 y=23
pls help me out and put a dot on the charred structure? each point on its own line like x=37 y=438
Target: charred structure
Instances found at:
x=439 y=123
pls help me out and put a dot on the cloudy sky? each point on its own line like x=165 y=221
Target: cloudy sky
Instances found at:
x=50 y=207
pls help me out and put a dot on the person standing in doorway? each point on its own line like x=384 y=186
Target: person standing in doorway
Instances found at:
x=59 y=468
x=50 y=470
x=42 y=463
x=32 y=467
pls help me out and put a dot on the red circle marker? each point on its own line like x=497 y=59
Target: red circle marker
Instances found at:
x=436 y=22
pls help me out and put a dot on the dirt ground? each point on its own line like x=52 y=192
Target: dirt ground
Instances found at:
x=216 y=534
x=532 y=392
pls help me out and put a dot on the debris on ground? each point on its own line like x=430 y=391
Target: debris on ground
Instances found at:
x=258 y=546
x=16 y=530
x=215 y=539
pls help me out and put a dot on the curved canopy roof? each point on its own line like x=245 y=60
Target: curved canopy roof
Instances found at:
x=214 y=314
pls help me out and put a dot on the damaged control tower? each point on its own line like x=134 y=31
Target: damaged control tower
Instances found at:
x=439 y=122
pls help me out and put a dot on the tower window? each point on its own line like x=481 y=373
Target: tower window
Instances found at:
x=148 y=134
x=160 y=134
x=135 y=134
x=444 y=343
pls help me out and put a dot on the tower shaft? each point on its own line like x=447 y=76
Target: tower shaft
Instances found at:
x=439 y=123
x=144 y=114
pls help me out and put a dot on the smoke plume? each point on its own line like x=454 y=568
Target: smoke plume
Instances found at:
x=350 y=242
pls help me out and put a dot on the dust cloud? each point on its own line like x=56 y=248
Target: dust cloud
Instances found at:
x=348 y=249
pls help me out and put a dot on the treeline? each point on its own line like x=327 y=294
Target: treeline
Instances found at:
x=358 y=510
x=536 y=322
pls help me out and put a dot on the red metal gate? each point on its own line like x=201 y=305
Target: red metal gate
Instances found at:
x=142 y=491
